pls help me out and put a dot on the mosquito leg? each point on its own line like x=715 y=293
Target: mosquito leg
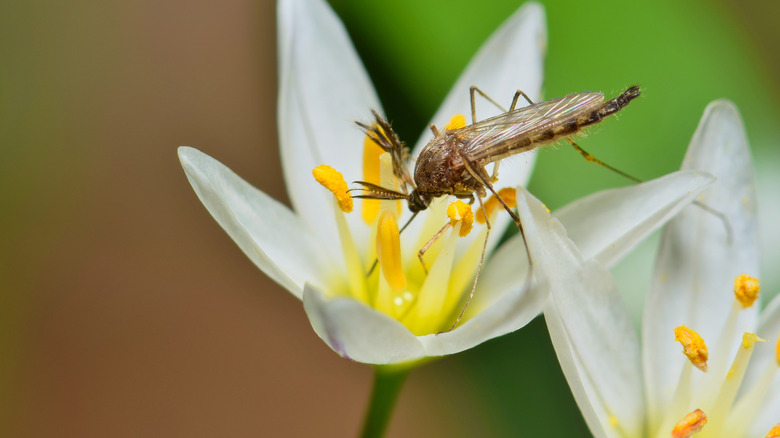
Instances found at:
x=494 y=175
x=474 y=89
x=433 y=240
x=591 y=159
x=481 y=177
x=519 y=93
x=434 y=130
x=479 y=267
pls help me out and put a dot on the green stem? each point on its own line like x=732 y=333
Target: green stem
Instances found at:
x=387 y=385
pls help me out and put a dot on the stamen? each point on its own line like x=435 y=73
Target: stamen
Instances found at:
x=751 y=401
x=774 y=432
x=509 y=195
x=388 y=251
x=371 y=174
x=730 y=385
x=693 y=346
x=690 y=424
x=460 y=211
x=333 y=180
x=746 y=289
x=456 y=122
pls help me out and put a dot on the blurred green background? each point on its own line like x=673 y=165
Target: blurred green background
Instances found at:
x=125 y=310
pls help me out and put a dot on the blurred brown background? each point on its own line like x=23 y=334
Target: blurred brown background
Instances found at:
x=125 y=310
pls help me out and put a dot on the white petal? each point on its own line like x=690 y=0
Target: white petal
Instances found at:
x=696 y=265
x=592 y=333
x=357 y=332
x=503 y=301
x=323 y=89
x=610 y=223
x=512 y=59
x=272 y=236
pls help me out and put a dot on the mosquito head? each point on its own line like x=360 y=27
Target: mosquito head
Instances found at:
x=417 y=201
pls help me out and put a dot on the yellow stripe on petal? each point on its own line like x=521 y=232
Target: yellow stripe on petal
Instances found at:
x=693 y=346
x=388 y=251
x=333 y=180
x=746 y=289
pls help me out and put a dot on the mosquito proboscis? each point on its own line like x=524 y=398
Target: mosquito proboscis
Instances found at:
x=453 y=162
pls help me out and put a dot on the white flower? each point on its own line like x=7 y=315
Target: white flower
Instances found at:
x=627 y=390
x=321 y=255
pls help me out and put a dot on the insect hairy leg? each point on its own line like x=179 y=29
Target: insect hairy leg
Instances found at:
x=479 y=267
x=476 y=89
x=591 y=159
x=430 y=242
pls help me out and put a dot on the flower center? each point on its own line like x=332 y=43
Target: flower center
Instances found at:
x=421 y=277
x=713 y=395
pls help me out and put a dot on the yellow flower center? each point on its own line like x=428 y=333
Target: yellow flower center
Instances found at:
x=716 y=391
x=389 y=274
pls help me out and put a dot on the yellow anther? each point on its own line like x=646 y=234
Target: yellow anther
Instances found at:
x=746 y=290
x=388 y=251
x=371 y=174
x=693 y=346
x=333 y=180
x=456 y=122
x=460 y=211
x=774 y=432
x=509 y=196
x=690 y=424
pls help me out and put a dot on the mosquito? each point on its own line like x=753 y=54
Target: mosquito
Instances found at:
x=453 y=162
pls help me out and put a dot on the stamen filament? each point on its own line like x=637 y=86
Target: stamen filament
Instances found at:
x=355 y=275
x=750 y=403
x=680 y=400
x=730 y=386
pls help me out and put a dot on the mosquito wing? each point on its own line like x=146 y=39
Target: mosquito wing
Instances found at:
x=522 y=129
